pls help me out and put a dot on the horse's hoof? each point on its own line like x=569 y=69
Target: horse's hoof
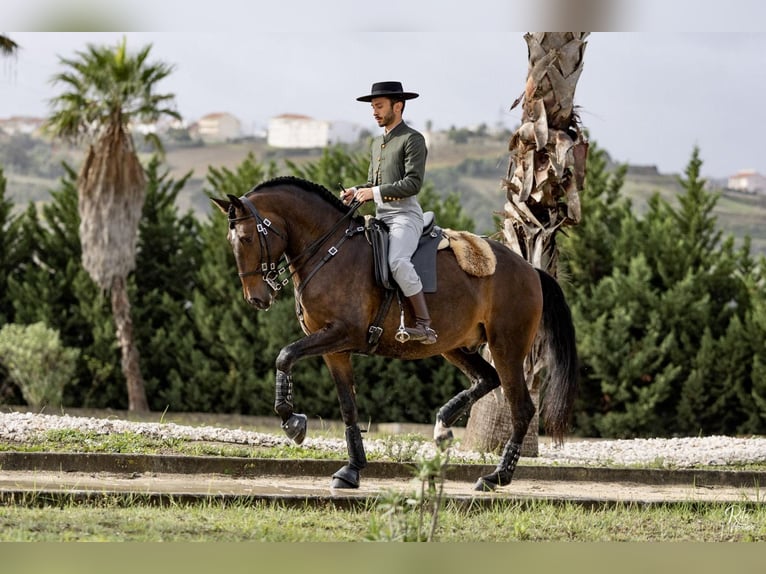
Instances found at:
x=490 y=482
x=443 y=435
x=346 y=477
x=295 y=427
x=444 y=440
x=483 y=485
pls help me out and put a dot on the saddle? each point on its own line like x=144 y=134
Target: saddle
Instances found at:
x=424 y=258
x=474 y=256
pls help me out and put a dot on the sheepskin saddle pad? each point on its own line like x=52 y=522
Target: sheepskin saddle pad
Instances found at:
x=474 y=254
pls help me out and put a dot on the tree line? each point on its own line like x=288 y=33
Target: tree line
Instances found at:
x=203 y=348
x=670 y=315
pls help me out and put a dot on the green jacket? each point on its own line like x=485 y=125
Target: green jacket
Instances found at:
x=398 y=163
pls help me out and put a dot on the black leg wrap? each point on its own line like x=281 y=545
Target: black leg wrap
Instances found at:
x=293 y=424
x=455 y=408
x=356 y=456
x=283 y=403
x=504 y=471
x=348 y=476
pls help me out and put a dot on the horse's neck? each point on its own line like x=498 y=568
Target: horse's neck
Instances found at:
x=308 y=223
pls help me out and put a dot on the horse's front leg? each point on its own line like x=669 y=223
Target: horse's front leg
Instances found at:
x=341 y=370
x=323 y=341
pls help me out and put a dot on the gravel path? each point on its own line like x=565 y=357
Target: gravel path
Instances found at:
x=675 y=452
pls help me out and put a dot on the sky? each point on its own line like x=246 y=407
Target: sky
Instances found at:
x=647 y=97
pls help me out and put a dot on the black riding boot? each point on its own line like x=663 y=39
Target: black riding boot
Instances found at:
x=422 y=331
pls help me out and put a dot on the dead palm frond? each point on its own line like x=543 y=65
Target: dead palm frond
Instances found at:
x=546 y=172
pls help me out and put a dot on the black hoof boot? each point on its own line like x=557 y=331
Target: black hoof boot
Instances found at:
x=504 y=472
x=490 y=482
x=346 y=477
x=295 y=427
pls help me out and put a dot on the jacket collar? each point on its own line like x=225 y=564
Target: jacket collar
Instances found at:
x=398 y=128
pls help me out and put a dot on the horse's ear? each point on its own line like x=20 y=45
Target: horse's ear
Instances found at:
x=222 y=204
x=235 y=201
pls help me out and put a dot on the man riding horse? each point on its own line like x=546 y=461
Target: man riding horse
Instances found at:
x=397 y=167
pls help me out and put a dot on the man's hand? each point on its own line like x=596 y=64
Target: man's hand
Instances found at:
x=361 y=195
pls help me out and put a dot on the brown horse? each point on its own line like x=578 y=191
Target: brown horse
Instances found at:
x=330 y=263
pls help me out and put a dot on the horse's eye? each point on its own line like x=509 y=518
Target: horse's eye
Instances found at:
x=245 y=239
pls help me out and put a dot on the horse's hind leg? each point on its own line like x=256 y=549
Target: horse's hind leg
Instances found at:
x=342 y=373
x=483 y=379
x=511 y=371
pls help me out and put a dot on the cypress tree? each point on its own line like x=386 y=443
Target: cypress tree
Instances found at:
x=15 y=250
x=169 y=252
x=65 y=298
x=754 y=399
x=660 y=303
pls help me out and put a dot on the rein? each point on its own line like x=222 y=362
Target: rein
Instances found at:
x=271 y=271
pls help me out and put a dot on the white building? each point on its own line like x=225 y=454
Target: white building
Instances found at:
x=21 y=125
x=218 y=127
x=747 y=181
x=296 y=131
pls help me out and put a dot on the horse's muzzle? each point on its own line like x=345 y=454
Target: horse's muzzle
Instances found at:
x=259 y=303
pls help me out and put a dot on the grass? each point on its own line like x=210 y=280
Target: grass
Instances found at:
x=503 y=522
x=133 y=517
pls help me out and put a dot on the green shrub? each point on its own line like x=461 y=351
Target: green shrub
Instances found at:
x=37 y=362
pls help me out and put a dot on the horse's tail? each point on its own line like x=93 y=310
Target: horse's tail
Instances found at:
x=559 y=390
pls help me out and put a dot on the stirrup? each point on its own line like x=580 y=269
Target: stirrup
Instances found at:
x=422 y=334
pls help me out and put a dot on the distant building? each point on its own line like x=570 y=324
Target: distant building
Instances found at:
x=21 y=125
x=296 y=131
x=747 y=181
x=217 y=127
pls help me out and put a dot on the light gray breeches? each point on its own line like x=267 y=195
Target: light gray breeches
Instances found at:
x=404 y=234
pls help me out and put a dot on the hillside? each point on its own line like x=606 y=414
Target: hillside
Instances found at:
x=473 y=169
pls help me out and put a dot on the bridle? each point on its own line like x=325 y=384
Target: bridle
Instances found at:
x=272 y=270
x=269 y=270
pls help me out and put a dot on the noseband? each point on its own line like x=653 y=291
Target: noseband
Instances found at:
x=270 y=270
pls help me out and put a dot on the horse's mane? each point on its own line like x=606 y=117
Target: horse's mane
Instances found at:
x=305 y=185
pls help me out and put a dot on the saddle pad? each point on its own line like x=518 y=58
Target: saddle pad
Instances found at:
x=473 y=253
x=424 y=259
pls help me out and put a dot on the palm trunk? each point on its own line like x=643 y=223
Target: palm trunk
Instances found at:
x=110 y=197
x=130 y=356
x=545 y=174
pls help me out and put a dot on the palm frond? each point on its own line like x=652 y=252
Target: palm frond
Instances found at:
x=7 y=46
x=103 y=85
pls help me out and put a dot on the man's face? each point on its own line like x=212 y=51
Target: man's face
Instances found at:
x=383 y=112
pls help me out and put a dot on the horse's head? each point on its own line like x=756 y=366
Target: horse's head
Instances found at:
x=258 y=248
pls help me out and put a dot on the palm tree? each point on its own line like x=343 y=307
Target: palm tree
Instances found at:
x=7 y=46
x=106 y=91
x=546 y=172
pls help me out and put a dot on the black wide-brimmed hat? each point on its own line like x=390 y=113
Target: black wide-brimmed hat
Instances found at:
x=387 y=90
